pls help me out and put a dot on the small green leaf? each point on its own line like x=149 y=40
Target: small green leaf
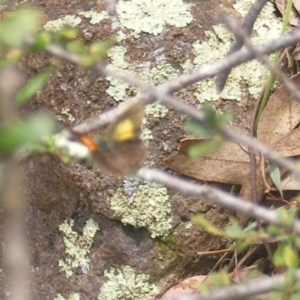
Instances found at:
x=297 y=241
x=76 y=47
x=236 y=232
x=41 y=41
x=274 y=172
x=206 y=225
x=273 y=230
x=211 y=124
x=278 y=256
x=220 y=279
x=99 y=50
x=33 y=85
x=21 y=132
x=199 y=150
x=290 y=256
x=198 y=129
x=241 y=246
x=286 y=217
x=18 y=26
x=295 y=296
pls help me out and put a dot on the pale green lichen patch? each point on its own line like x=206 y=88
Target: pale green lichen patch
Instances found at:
x=156 y=110
x=65 y=114
x=152 y=76
x=152 y=16
x=216 y=46
x=149 y=206
x=124 y=284
x=68 y=20
x=94 y=16
x=77 y=247
x=75 y=296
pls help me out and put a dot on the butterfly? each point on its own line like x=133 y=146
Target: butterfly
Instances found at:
x=119 y=150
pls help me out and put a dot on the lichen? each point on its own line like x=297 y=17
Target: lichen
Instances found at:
x=94 y=16
x=152 y=76
x=124 y=284
x=152 y=16
x=75 y=296
x=77 y=247
x=156 y=110
x=65 y=112
x=148 y=206
x=217 y=45
x=58 y=24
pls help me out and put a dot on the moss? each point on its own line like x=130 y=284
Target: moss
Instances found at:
x=148 y=206
x=77 y=247
x=165 y=257
x=124 y=284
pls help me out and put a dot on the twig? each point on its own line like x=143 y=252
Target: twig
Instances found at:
x=215 y=196
x=246 y=28
x=191 y=77
x=15 y=250
x=243 y=290
x=233 y=26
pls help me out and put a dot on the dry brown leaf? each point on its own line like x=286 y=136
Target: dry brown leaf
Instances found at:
x=289 y=145
x=290 y=183
x=294 y=15
x=296 y=4
x=280 y=116
x=296 y=53
x=228 y=165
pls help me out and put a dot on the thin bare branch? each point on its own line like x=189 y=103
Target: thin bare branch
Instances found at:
x=205 y=71
x=242 y=291
x=15 y=251
x=246 y=28
x=233 y=26
x=230 y=61
x=215 y=196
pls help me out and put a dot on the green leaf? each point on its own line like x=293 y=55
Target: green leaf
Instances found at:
x=99 y=50
x=294 y=296
x=278 y=256
x=76 y=47
x=273 y=230
x=41 y=41
x=286 y=217
x=290 y=256
x=220 y=279
x=297 y=241
x=274 y=172
x=197 y=129
x=21 y=132
x=18 y=26
x=241 y=246
x=236 y=232
x=33 y=85
x=211 y=124
x=199 y=150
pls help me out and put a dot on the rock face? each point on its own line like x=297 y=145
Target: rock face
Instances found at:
x=56 y=193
